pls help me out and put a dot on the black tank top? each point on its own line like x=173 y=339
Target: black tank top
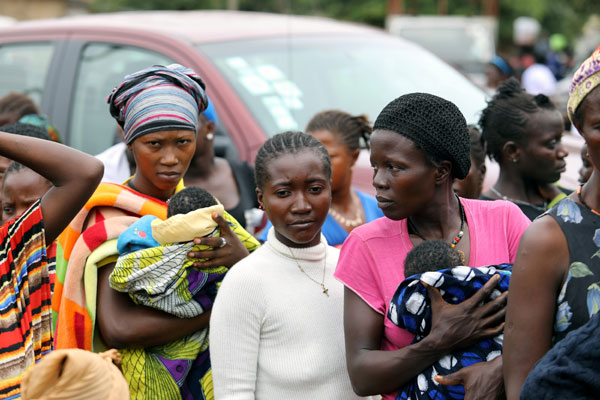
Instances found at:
x=579 y=297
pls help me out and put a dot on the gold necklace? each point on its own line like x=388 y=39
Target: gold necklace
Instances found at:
x=322 y=283
x=358 y=219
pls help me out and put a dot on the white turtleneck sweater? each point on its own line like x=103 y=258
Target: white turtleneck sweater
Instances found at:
x=273 y=333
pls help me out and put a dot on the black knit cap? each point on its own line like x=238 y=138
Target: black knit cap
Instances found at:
x=434 y=124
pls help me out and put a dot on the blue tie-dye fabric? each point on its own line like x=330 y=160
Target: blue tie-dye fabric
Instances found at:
x=410 y=309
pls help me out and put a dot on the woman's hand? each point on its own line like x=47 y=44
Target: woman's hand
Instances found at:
x=481 y=381
x=455 y=326
x=227 y=249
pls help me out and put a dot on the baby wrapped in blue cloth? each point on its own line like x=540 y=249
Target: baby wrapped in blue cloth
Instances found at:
x=437 y=264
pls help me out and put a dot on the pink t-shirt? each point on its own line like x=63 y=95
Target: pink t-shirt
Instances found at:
x=371 y=261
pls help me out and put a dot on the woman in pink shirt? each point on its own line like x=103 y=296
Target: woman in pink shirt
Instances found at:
x=420 y=144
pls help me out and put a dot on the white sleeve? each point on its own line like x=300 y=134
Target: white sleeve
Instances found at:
x=235 y=325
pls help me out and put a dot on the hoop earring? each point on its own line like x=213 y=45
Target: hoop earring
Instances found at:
x=210 y=136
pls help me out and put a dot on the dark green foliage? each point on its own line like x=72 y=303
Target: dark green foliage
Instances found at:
x=556 y=16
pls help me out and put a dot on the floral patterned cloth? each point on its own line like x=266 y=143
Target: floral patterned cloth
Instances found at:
x=579 y=298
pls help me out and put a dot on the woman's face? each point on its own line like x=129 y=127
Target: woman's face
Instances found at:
x=342 y=159
x=404 y=181
x=586 y=165
x=472 y=185
x=203 y=143
x=590 y=125
x=20 y=190
x=4 y=162
x=494 y=76
x=296 y=196
x=542 y=156
x=162 y=158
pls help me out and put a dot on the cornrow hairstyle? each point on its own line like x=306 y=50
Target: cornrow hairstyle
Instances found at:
x=477 y=145
x=429 y=256
x=22 y=129
x=190 y=199
x=15 y=167
x=287 y=143
x=506 y=116
x=350 y=129
x=13 y=106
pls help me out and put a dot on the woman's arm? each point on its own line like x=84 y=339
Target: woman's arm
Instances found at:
x=538 y=273
x=373 y=371
x=73 y=173
x=123 y=323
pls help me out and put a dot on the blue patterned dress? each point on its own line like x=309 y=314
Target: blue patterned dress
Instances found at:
x=579 y=298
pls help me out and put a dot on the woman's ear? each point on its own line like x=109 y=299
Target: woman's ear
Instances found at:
x=511 y=152
x=442 y=172
x=259 y=197
x=354 y=155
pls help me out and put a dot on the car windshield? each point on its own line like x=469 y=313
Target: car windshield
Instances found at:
x=284 y=82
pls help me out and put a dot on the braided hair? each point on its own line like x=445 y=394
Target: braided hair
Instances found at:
x=478 y=145
x=506 y=116
x=287 y=143
x=350 y=129
x=15 y=167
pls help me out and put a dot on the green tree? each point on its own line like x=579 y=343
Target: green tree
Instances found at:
x=556 y=16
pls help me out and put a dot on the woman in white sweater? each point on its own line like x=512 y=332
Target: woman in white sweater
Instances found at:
x=276 y=330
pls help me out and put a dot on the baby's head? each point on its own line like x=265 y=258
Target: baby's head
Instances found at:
x=431 y=255
x=190 y=199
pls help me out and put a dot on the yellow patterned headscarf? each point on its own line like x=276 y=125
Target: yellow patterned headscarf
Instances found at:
x=585 y=79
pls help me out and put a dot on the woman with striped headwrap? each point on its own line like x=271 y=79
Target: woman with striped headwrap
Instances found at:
x=158 y=109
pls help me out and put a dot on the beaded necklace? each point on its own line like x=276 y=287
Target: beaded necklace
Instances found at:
x=351 y=223
x=456 y=239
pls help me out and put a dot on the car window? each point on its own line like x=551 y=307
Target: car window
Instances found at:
x=284 y=82
x=24 y=68
x=102 y=66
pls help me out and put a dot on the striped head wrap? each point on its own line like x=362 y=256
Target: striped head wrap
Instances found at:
x=585 y=79
x=158 y=99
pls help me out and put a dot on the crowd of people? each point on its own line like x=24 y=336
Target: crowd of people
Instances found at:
x=148 y=285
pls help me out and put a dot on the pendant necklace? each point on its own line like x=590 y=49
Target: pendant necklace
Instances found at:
x=322 y=283
x=456 y=239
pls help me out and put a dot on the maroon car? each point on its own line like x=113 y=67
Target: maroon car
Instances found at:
x=265 y=73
